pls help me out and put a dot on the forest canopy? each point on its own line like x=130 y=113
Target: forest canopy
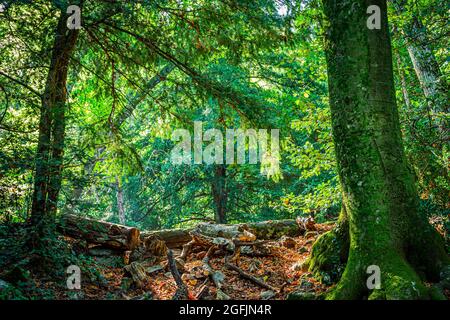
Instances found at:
x=335 y=124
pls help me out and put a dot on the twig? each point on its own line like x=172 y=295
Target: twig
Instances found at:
x=215 y=276
x=248 y=276
x=203 y=291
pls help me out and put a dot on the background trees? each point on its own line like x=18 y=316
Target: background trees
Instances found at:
x=139 y=70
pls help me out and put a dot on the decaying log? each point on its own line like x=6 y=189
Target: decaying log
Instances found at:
x=149 y=248
x=200 y=239
x=251 y=248
x=238 y=232
x=107 y=234
x=155 y=246
x=274 y=229
x=173 y=238
x=120 y=237
x=138 y=273
x=265 y=230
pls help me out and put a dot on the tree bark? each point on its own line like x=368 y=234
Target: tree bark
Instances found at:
x=264 y=230
x=219 y=193
x=378 y=190
x=435 y=89
x=403 y=82
x=107 y=234
x=427 y=69
x=119 y=197
x=173 y=238
x=50 y=149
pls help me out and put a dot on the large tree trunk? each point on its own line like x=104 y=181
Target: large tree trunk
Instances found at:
x=220 y=193
x=378 y=190
x=49 y=155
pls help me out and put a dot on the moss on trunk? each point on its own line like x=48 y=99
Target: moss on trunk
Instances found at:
x=379 y=195
x=330 y=252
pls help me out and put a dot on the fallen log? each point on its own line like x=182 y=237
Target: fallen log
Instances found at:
x=274 y=229
x=265 y=230
x=121 y=237
x=173 y=238
x=107 y=234
x=238 y=232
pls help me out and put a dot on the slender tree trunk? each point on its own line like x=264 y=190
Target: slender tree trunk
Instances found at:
x=426 y=66
x=77 y=192
x=219 y=193
x=424 y=61
x=403 y=82
x=435 y=89
x=119 y=197
x=50 y=149
x=378 y=190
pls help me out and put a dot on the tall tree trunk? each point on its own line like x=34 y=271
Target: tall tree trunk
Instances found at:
x=219 y=193
x=378 y=189
x=50 y=149
x=426 y=67
x=435 y=89
x=119 y=197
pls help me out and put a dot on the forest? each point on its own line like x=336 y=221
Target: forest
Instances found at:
x=224 y=150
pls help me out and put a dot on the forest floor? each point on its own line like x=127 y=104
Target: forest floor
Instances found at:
x=280 y=268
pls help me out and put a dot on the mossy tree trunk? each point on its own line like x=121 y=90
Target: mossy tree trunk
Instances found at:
x=379 y=195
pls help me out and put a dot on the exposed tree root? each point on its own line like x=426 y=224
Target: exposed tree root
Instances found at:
x=329 y=253
x=402 y=274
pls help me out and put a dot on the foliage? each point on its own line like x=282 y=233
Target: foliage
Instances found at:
x=237 y=64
